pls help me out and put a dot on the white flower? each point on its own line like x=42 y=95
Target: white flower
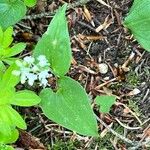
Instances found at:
x=44 y=82
x=23 y=78
x=31 y=78
x=31 y=70
x=43 y=62
x=43 y=74
x=24 y=72
x=35 y=69
x=29 y=60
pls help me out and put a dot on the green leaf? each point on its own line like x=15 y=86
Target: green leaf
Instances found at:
x=2 y=69
x=10 y=61
x=6 y=95
x=9 y=138
x=139 y=23
x=69 y=107
x=11 y=11
x=7 y=37
x=9 y=147
x=16 y=49
x=55 y=44
x=30 y=3
x=25 y=98
x=6 y=147
x=8 y=134
x=5 y=129
x=11 y=117
x=1 y=35
x=105 y=102
x=9 y=80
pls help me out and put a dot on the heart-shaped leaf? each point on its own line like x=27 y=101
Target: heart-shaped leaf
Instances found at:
x=55 y=44
x=139 y=23
x=105 y=102
x=11 y=11
x=69 y=107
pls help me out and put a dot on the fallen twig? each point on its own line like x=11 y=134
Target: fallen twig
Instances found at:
x=51 y=14
x=115 y=133
x=127 y=127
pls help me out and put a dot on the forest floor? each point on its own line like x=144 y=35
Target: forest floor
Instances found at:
x=97 y=36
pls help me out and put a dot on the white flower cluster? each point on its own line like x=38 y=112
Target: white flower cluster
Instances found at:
x=32 y=70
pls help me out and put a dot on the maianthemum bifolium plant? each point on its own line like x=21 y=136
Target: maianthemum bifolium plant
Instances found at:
x=69 y=105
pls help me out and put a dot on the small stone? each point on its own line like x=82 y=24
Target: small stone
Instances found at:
x=103 y=68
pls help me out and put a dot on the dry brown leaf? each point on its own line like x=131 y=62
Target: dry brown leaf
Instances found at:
x=30 y=142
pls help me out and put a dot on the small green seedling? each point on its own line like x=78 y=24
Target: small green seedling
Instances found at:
x=105 y=102
x=138 y=22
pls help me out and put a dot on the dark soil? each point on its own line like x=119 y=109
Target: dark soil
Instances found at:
x=113 y=48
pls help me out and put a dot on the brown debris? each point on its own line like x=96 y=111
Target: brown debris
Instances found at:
x=30 y=142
